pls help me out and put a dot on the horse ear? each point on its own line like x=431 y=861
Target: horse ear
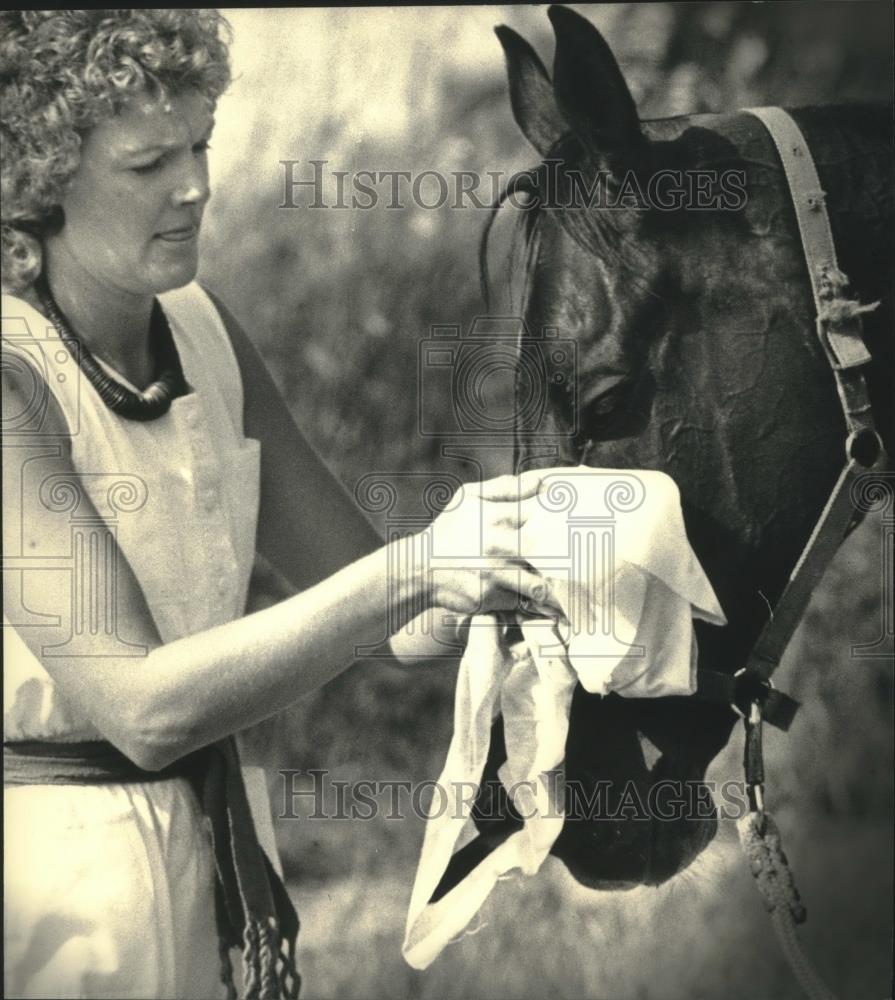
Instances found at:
x=531 y=93
x=590 y=89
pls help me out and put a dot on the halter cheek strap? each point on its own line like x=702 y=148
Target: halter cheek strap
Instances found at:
x=839 y=329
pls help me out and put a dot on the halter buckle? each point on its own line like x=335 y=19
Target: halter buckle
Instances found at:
x=758 y=690
x=843 y=340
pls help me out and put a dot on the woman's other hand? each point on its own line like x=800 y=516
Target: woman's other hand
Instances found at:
x=473 y=551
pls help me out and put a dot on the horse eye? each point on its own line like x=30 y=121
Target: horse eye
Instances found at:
x=607 y=394
x=606 y=403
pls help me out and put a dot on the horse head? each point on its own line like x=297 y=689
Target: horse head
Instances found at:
x=667 y=250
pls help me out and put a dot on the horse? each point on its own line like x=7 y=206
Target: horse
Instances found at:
x=697 y=356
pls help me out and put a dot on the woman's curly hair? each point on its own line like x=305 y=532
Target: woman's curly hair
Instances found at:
x=62 y=72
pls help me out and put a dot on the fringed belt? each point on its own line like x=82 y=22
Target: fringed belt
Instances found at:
x=254 y=912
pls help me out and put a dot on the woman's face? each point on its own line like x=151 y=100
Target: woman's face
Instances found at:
x=134 y=207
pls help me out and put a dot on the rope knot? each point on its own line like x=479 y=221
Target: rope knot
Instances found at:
x=770 y=866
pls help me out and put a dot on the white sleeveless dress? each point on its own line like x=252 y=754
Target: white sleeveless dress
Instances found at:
x=109 y=888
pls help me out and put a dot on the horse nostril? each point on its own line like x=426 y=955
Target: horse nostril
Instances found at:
x=651 y=753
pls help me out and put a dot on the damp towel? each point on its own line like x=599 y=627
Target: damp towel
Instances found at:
x=612 y=546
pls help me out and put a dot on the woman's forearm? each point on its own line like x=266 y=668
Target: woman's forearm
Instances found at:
x=199 y=688
x=437 y=634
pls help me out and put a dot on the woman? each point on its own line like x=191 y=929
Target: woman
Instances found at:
x=147 y=459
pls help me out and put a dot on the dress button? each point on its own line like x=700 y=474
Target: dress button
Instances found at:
x=209 y=498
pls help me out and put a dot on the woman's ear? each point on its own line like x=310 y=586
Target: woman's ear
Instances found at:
x=590 y=90
x=531 y=93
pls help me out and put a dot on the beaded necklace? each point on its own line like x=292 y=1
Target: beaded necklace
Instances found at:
x=155 y=400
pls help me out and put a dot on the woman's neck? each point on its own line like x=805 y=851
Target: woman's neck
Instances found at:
x=113 y=324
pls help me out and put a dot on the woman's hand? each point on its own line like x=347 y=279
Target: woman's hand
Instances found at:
x=473 y=548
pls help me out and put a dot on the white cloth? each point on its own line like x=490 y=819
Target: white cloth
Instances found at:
x=613 y=548
x=109 y=889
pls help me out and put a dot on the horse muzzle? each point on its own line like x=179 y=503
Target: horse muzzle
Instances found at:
x=638 y=810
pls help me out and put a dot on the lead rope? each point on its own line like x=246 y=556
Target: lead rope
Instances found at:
x=773 y=878
x=761 y=843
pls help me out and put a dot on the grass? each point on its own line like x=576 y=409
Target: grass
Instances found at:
x=704 y=936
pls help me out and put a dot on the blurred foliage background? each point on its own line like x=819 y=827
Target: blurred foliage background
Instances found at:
x=338 y=301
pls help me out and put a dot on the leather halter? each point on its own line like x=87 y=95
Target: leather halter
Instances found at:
x=839 y=329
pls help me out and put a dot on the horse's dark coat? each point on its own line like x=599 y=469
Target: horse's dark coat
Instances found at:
x=697 y=356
